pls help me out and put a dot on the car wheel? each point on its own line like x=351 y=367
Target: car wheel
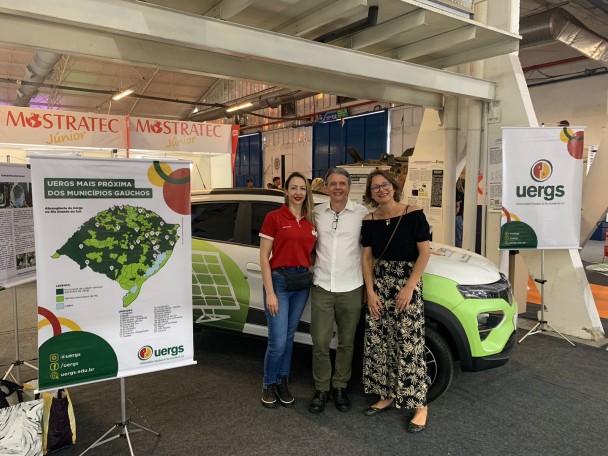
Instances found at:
x=439 y=363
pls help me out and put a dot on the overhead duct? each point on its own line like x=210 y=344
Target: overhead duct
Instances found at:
x=270 y=100
x=559 y=25
x=37 y=71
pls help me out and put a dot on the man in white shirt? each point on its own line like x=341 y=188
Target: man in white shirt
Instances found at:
x=336 y=294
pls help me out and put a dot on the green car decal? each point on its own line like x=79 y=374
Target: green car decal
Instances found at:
x=220 y=291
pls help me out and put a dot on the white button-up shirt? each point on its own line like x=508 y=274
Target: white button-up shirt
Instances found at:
x=338 y=264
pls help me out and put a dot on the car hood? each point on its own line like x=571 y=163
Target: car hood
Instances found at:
x=461 y=266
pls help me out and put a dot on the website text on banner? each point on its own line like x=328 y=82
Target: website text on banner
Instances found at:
x=114 y=258
x=542 y=187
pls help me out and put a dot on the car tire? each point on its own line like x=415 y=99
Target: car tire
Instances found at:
x=440 y=364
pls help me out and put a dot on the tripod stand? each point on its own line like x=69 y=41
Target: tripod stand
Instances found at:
x=542 y=324
x=18 y=362
x=123 y=425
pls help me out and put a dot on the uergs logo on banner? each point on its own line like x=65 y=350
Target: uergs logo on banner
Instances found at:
x=114 y=259
x=542 y=186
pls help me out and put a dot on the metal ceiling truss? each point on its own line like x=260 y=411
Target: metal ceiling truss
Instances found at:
x=151 y=36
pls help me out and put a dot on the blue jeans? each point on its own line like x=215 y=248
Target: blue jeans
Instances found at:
x=282 y=328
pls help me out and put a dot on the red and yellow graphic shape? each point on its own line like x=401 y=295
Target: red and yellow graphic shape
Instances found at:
x=541 y=170
x=510 y=216
x=575 y=142
x=144 y=352
x=175 y=184
x=56 y=323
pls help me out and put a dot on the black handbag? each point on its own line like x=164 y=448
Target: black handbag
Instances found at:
x=297 y=280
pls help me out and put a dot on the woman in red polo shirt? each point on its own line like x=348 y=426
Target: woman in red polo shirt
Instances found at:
x=288 y=238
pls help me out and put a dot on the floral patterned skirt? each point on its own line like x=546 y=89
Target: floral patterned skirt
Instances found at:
x=393 y=355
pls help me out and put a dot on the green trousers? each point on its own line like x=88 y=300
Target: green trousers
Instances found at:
x=344 y=309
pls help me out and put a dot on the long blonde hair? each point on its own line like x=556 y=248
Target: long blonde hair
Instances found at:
x=308 y=204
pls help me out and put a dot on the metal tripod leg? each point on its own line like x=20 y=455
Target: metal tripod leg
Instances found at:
x=17 y=363
x=122 y=425
x=542 y=324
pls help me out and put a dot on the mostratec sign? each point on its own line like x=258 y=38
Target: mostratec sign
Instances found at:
x=152 y=134
x=61 y=128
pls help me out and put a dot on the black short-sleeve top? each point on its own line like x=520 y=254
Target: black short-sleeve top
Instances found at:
x=412 y=229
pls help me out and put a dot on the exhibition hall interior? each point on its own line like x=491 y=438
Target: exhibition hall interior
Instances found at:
x=189 y=187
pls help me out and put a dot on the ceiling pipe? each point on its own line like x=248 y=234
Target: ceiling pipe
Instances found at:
x=270 y=100
x=559 y=25
x=37 y=71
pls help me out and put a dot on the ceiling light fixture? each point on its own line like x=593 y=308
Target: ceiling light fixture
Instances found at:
x=124 y=93
x=241 y=106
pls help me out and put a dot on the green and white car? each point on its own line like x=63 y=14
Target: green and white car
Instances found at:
x=470 y=311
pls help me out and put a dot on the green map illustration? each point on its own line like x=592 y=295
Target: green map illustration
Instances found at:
x=125 y=243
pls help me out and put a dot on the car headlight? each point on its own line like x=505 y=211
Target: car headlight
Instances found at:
x=496 y=290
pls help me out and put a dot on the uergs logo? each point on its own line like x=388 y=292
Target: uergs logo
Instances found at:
x=146 y=352
x=540 y=172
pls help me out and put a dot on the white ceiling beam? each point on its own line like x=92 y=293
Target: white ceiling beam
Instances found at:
x=436 y=43
x=227 y=9
x=383 y=31
x=480 y=53
x=140 y=33
x=323 y=16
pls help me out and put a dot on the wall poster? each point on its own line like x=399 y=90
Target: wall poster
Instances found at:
x=424 y=188
x=114 y=265
x=17 y=256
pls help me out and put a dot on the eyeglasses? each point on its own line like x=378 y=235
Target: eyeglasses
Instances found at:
x=383 y=185
x=334 y=224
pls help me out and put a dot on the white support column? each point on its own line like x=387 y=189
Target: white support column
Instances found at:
x=471 y=173
x=450 y=123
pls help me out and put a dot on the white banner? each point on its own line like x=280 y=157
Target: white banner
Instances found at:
x=17 y=257
x=176 y=135
x=113 y=246
x=542 y=186
x=61 y=128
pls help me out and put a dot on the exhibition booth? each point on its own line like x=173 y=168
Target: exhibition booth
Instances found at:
x=101 y=197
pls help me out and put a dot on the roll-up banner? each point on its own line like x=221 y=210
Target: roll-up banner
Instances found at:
x=542 y=187
x=17 y=255
x=114 y=266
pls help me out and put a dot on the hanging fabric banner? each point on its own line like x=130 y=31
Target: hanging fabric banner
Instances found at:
x=542 y=187
x=61 y=128
x=17 y=256
x=114 y=260
x=177 y=135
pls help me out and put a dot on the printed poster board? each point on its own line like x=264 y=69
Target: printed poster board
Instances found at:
x=541 y=199
x=17 y=255
x=113 y=248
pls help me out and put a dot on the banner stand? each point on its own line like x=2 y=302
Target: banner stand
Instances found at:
x=18 y=362
x=542 y=325
x=122 y=425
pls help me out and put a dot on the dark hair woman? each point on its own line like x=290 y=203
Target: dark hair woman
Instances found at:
x=397 y=237
x=288 y=237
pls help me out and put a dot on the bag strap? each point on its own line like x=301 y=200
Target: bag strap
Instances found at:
x=393 y=233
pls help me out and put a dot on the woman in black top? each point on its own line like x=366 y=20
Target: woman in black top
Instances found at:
x=397 y=237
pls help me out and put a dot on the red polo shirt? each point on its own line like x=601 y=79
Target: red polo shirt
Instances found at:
x=293 y=240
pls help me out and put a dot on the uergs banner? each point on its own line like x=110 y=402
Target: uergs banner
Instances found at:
x=114 y=267
x=17 y=256
x=542 y=186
